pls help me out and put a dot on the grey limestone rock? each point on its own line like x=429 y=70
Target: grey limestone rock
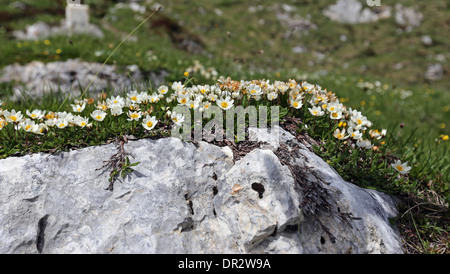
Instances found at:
x=37 y=78
x=188 y=197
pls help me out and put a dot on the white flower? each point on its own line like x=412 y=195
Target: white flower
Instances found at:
x=177 y=86
x=281 y=86
x=183 y=99
x=375 y=134
x=102 y=106
x=254 y=90
x=98 y=115
x=317 y=98
x=2 y=123
x=336 y=115
x=272 y=95
x=402 y=168
x=316 y=111
x=203 y=89
x=116 y=110
x=78 y=107
x=64 y=115
x=307 y=87
x=51 y=122
x=355 y=134
x=145 y=97
x=28 y=125
x=61 y=123
x=163 y=89
x=134 y=96
x=334 y=107
x=36 y=114
x=340 y=135
x=134 y=115
x=205 y=105
x=39 y=129
x=212 y=97
x=117 y=101
x=149 y=122
x=359 y=120
x=226 y=103
x=177 y=118
x=82 y=121
x=296 y=104
x=13 y=116
x=133 y=107
x=193 y=103
x=364 y=143
x=236 y=95
x=154 y=98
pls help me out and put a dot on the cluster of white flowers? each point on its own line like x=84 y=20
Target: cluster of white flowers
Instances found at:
x=137 y=106
x=38 y=121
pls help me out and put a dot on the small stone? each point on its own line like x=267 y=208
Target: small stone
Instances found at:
x=434 y=72
x=426 y=40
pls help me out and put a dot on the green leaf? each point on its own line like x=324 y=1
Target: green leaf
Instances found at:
x=135 y=164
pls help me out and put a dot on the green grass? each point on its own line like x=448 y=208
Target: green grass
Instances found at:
x=253 y=45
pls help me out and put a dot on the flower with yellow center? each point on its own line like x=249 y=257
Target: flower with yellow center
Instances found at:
x=202 y=89
x=134 y=116
x=226 y=103
x=13 y=116
x=82 y=121
x=375 y=134
x=2 y=123
x=272 y=95
x=78 y=107
x=36 y=114
x=149 y=122
x=98 y=115
x=61 y=123
x=154 y=98
x=340 y=135
x=336 y=115
x=28 y=125
x=193 y=104
x=296 y=104
x=316 y=111
x=402 y=168
x=354 y=133
x=40 y=128
x=50 y=115
x=134 y=96
x=115 y=101
x=177 y=118
x=101 y=105
x=254 y=90
x=163 y=89
x=205 y=105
